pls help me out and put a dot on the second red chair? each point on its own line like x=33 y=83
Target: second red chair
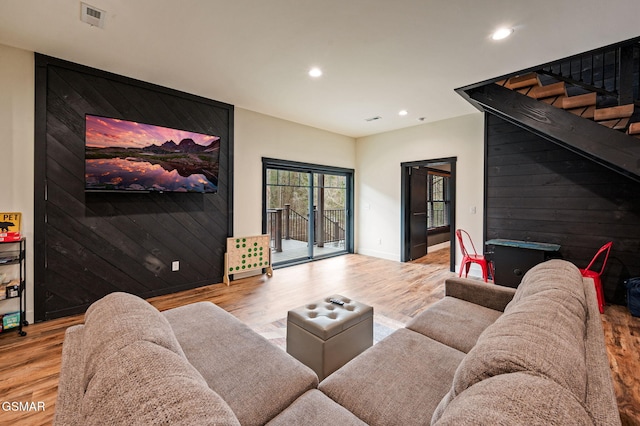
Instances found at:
x=595 y=275
x=469 y=258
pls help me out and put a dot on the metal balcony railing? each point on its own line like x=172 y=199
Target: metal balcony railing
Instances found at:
x=286 y=223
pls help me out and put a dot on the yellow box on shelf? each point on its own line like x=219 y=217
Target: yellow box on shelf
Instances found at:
x=10 y=226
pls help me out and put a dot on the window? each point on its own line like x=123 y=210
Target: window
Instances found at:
x=438 y=200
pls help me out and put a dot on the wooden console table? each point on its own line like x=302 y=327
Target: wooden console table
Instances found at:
x=513 y=258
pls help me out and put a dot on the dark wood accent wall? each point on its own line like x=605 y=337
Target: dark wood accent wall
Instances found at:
x=537 y=190
x=90 y=244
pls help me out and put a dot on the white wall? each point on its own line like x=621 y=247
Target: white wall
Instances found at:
x=378 y=176
x=257 y=136
x=16 y=151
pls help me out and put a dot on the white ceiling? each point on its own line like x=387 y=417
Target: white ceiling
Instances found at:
x=378 y=56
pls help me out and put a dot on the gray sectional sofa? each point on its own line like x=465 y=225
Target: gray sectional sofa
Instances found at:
x=484 y=354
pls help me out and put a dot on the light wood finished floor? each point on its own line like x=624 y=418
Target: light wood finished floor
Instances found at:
x=29 y=366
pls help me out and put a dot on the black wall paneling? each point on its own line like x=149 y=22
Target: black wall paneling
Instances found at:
x=90 y=244
x=539 y=191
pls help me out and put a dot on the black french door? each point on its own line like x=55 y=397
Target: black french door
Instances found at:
x=307 y=210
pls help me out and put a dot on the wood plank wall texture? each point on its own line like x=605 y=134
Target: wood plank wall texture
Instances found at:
x=539 y=191
x=91 y=244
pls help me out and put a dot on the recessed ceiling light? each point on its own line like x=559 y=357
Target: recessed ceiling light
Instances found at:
x=315 y=72
x=502 y=33
x=403 y=112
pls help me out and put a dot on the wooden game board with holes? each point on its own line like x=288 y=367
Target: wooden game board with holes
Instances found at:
x=246 y=254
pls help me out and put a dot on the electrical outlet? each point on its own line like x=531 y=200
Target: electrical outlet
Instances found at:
x=175 y=265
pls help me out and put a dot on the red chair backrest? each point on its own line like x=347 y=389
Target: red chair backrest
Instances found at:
x=463 y=249
x=604 y=249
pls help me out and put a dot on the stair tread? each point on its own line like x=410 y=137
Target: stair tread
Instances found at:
x=589 y=112
x=584 y=112
x=555 y=89
x=616 y=124
x=634 y=128
x=521 y=81
x=622 y=111
x=555 y=101
x=579 y=100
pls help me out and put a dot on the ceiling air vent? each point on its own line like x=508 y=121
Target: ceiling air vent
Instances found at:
x=92 y=15
x=377 y=117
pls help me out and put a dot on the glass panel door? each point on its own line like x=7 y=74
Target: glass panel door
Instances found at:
x=288 y=200
x=330 y=213
x=307 y=211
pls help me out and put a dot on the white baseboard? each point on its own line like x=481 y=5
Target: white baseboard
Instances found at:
x=379 y=254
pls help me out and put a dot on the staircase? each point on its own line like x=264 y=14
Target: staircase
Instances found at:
x=584 y=104
x=587 y=103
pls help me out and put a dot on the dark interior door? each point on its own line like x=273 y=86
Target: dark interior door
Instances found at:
x=418 y=213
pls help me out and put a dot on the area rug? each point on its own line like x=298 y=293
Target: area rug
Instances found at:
x=276 y=332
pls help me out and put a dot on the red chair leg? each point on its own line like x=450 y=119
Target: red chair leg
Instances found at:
x=465 y=265
x=599 y=294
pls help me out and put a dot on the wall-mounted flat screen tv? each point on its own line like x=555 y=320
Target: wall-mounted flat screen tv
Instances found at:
x=123 y=155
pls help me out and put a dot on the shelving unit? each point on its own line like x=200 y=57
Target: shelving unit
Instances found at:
x=8 y=257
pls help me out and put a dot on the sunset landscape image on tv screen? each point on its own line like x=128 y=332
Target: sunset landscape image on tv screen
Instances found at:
x=129 y=156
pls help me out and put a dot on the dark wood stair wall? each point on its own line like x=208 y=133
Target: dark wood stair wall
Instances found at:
x=538 y=191
x=553 y=176
x=562 y=163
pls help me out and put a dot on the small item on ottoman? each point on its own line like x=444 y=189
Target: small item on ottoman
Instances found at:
x=327 y=334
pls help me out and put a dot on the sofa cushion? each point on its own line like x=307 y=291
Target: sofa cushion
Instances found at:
x=144 y=383
x=70 y=383
x=454 y=322
x=601 y=398
x=116 y=321
x=491 y=296
x=256 y=378
x=398 y=381
x=315 y=408
x=514 y=399
x=542 y=333
x=556 y=279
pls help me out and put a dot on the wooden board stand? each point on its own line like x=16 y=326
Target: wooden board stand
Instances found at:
x=246 y=254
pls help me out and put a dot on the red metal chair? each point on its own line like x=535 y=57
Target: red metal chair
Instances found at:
x=595 y=275
x=469 y=258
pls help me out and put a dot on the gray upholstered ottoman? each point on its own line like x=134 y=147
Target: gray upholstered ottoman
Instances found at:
x=325 y=335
